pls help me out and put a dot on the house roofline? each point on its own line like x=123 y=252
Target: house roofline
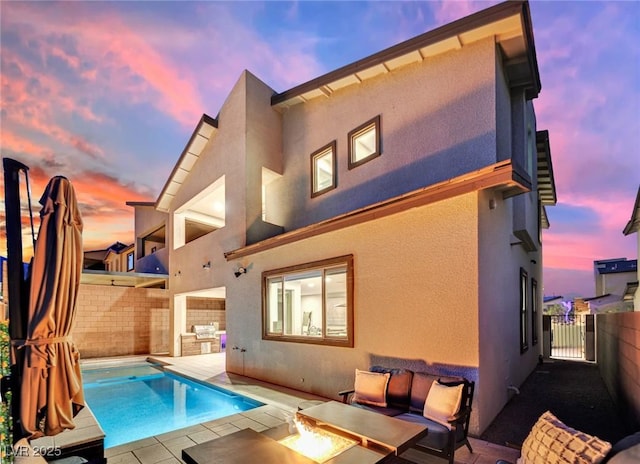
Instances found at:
x=504 y=176
x=140 y=203
x=446 y=32
x=205 y=128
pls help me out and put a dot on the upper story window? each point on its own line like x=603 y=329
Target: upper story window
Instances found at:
x=524 y=345
x=130 y=261
x=364 y=142
x=310 y=303
x=323 y=169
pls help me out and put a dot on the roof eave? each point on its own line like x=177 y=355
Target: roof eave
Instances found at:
x=206 y=129
x=546 y=180
x=430 y=38
x=634 y=223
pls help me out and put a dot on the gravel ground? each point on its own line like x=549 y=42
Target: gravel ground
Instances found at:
x=573 y=391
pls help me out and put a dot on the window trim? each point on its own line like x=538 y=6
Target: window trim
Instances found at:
x=133 y=261
x=347 y=342
x=524 y=340
x=314 y=156
x=534 y=312
x=375 y=122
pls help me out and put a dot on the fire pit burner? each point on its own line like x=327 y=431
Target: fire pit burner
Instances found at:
x=316 y=443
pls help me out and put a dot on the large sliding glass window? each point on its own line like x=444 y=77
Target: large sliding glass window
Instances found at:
x=310 y=303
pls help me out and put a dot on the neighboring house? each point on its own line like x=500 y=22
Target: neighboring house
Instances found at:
x=108 y=259
x=122 y=260
x=150 y=229
x=552 y=304
x=633 y=226
x=388 y=211
x=606 y=303
x=612 y=276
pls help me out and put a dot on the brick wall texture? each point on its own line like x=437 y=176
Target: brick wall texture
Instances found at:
x=117 y=321
x=618 y=336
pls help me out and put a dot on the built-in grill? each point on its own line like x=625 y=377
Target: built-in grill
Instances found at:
x=205 y=331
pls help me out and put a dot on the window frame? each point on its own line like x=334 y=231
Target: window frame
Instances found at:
x=324 y=339
x=353 y=134
x=130 y=266
x=331 y=146
x=524 y=284
x=534 y=312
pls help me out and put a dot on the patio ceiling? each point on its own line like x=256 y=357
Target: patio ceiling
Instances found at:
x=509 y=23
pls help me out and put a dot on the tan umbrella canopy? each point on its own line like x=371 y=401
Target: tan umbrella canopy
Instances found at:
x=51 y=387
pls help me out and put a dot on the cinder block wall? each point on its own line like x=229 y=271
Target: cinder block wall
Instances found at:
x=618 y=356
x=202 y=311
x=117 y=321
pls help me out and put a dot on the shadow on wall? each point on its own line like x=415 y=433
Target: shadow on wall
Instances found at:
x=420 y=365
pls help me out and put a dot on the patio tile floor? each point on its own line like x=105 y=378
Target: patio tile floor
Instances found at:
x=280 y=403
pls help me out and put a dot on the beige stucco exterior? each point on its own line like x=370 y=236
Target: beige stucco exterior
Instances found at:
x=436 y=281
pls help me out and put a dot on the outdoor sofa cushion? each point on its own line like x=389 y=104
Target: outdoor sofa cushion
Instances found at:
x=438 y=435
x=399 y=386
x=443 y=401
x=371 y=388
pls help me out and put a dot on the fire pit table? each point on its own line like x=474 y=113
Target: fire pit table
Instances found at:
x=358 y=436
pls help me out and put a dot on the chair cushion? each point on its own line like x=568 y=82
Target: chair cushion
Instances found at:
x=371 y=388
x=442 y=402
x=551 y=441
x=438 y=435
x=399 y=386
x=419 y=390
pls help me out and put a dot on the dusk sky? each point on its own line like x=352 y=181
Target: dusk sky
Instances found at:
x=108 y=94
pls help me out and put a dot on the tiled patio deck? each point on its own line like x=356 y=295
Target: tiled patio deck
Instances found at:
x=279 y=404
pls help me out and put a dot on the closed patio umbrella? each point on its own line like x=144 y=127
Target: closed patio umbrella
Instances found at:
x=51 y=386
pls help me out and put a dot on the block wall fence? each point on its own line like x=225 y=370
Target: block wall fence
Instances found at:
x=618 y=357
x=118 y=321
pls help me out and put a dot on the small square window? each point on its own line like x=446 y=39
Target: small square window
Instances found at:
x=364 y=142
x=323 y=169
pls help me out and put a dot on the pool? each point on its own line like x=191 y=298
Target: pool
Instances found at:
x=135 y=401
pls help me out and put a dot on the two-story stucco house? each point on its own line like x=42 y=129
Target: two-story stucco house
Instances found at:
x=388 y=211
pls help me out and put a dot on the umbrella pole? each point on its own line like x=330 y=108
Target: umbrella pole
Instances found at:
x=17 y=285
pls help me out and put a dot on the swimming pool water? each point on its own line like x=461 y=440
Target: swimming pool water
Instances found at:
x=132 y=402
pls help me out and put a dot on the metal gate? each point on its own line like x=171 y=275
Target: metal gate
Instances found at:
x=572 y=337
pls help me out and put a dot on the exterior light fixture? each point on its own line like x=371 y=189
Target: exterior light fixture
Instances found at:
x=206 y=266
x=241 y=270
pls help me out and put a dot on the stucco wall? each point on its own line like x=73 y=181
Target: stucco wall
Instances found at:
x=618 y=345
x=415 y=298
x=613 y=282
x=438 y=120
x=499 y=305
x=117 y=321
